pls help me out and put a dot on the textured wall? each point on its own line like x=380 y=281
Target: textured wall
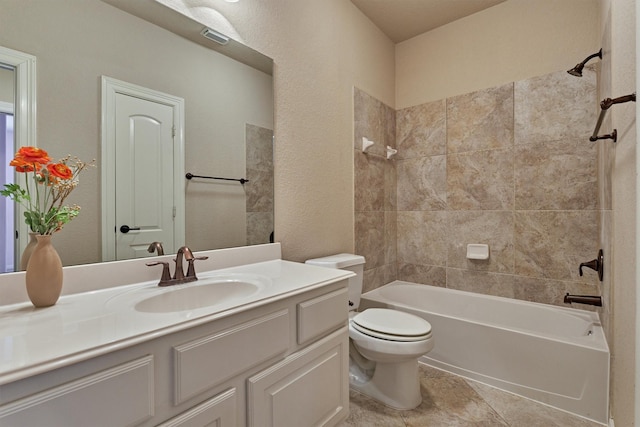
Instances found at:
x=510 y=166
x=508 y=42
x=321 y=49
x=619 y=75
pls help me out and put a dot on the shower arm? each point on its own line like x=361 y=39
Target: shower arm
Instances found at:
x=604 y=106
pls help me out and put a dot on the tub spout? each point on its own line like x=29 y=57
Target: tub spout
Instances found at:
x=583 y=299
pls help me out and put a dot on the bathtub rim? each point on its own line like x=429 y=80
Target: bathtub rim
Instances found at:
x=595 y=341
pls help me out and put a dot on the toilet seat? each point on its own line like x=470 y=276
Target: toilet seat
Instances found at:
x=391 y=325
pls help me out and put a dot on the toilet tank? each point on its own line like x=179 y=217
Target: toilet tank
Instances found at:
x=349 y=262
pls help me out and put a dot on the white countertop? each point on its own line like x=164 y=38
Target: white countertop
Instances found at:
x=89 y=324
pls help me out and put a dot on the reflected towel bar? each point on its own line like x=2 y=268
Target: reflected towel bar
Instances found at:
x=189 y=175
x=604 y=106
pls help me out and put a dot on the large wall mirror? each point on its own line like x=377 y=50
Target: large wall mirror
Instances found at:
x=227 y=129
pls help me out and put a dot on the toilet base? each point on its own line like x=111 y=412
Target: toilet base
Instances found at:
x=396 y=385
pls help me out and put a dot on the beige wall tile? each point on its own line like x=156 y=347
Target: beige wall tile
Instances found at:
x=480 y=180
x=555 y=106
x=422 y=183
x=422 y=237
x=483 y=282
x=421 y=130
x=549 y=291
x=423 y=274
x=379 y=276
x=480 y=120
x=558 y=175
x=370 y=242
x=389 y=126
x=259 y=191
x=259 y=148
x=390 y=186
x=606 y=160
x=259 y=227
x=390 y=237
x=494 y=228
x=369 y=182
x=552 y=244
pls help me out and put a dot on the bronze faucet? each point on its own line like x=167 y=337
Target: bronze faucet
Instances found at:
x=178 y=276
x=157 y=247
x=183 y=252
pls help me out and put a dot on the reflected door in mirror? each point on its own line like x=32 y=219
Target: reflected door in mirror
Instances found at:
x=144 y=176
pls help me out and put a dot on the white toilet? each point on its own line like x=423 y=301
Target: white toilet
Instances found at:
x=384 y=344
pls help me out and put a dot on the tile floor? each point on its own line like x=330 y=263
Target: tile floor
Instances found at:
x=449 y=400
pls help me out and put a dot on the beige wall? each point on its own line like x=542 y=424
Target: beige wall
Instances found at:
x=321 y=50
x=511 y=41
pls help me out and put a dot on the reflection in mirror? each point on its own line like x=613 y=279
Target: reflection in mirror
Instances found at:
x=228 y=113
x=7 y=208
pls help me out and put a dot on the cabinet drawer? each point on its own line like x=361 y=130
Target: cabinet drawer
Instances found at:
x=206 y=362
x=122 y=396
x=322 y=314
x=218 y=411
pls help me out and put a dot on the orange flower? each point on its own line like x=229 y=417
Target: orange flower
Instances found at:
x=21 y=165
x=33 y=155
x=59 y=170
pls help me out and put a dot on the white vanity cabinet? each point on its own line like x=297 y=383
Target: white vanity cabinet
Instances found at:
x=283 y=363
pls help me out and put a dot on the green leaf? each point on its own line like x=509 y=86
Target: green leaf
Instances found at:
x=14 y=192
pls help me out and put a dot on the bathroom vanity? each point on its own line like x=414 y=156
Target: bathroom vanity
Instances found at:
x=273 y=353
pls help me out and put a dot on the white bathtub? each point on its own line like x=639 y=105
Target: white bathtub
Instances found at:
x=554 y=355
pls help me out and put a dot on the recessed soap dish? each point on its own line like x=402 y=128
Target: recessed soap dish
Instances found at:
x=477 y=251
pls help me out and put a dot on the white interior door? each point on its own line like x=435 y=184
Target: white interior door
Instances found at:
x=144 y=201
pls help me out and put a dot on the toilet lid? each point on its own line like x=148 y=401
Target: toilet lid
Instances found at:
x=392 y=325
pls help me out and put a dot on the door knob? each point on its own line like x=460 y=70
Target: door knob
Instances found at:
x=125 y=229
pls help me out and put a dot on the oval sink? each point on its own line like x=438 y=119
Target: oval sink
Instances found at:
x=205 y=292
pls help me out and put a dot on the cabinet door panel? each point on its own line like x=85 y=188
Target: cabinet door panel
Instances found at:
x=308 y=388
x=219 y=411
x=122 y=396
x=206 y=362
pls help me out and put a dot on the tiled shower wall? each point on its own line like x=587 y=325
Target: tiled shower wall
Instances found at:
x=510 y=166
x=375 y=190
x=259 y=189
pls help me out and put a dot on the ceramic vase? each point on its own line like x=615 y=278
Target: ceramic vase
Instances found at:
x=44 y=273
x=26 y=254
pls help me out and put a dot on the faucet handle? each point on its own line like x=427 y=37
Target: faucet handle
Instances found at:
x=166 y=275
x=191 y=270
x=595 y=264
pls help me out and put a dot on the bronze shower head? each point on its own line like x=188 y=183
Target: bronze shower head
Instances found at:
x=577 y=70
